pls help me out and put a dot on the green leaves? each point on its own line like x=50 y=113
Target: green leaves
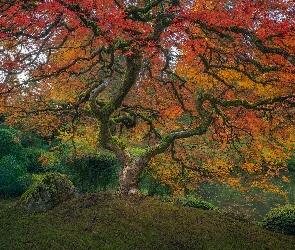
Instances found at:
x=13 y=178
x=281 y=220
x=192 y=201
x=9 y=142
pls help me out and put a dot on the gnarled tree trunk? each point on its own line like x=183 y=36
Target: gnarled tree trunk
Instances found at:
x=129 y=176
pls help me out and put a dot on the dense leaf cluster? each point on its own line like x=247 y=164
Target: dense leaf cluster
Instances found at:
x=192 y=201
x=281 y=220
x=17 y=163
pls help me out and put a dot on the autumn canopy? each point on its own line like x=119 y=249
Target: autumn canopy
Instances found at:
x=188 y=89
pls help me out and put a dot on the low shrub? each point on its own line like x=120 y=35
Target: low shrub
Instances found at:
x=9 y=142
x=192 y=201
x=30 y=158
x=14 y=179
x=291 y=163
x=95 y=172
x=151 y=186
x=17 y=163
x=280 y=220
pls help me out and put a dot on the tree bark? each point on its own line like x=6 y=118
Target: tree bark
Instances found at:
x=129 y=177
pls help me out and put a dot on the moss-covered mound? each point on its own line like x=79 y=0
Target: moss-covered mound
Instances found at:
x=110 y=221
x=48 y=191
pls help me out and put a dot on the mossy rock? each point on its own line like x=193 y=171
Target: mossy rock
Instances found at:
x=48 y=191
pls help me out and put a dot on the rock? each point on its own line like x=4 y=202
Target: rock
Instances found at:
x=78 y=193
x=49 y=190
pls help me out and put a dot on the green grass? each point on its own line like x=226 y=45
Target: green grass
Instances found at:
x=106 y=221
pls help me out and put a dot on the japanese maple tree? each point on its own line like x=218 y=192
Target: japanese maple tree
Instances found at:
x=177 y=85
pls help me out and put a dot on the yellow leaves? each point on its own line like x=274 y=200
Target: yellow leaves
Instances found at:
x=195 y=76
x=267 y=91
x=202 y=81
x=264 y=157
x=45 y=126
x=251 y=168
x=266 y=186
x=289 y=142
x=286 y=179
x=84 y=138
x=48 y=159
x=138 y=133
x=266 y=85
x=218 y=169
x=275 y=155
x=64 y=135
x=243 y=84
x=171 y=173
x=273 y=152
x=64 y=91
x=68 y=53
x=235 y=183
x=71 y=50
x=231 y=76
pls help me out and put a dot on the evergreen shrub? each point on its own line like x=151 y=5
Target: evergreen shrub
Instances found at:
x=30 y=157
x=94 y=173
x=9 y=142
x=280 y=220
x=13 y=177
x=192 y=201
x=151 y=186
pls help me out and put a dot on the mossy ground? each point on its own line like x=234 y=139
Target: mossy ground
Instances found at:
x=107 y=221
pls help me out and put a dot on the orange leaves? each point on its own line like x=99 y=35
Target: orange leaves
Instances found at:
x=219 y=168
x=171 y=173
x=233 y=55
x=64 y=89
x=265 y=158
x=199 y=81
x=235 y=183
x=73 y=57
x=171 y=112
x=251 y=167
x=169 y=103
x=42 y=125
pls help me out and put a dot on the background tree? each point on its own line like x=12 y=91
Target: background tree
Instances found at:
x=156 y=76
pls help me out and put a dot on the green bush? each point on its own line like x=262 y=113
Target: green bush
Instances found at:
x=150 y=186
x=191 y=201
x=16 y=163
x=95 y=172
x=280 y=220
x=30 y=158
x=291 y=163
x=13 y=177
x=9 y=142
x=31 y=140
